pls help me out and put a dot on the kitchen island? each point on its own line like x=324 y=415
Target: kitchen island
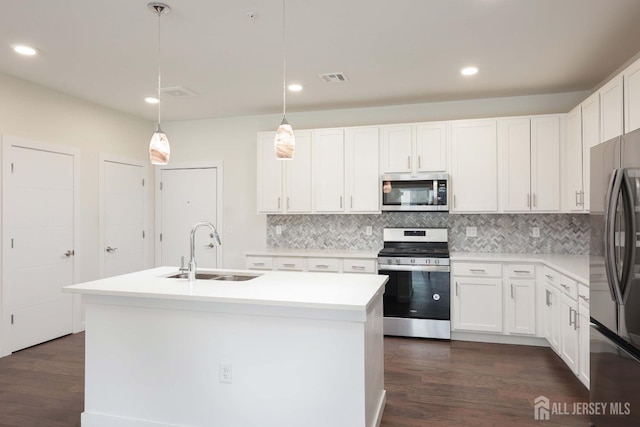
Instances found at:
x=282 y=349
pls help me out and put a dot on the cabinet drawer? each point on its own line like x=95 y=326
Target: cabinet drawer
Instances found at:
x=352 y=265
x=477 y=269
x=290 y=263
x=569 y=287
x=259 y=263
x=552 y=277
x=521 y=271
x=583 y=294
x=323 y=264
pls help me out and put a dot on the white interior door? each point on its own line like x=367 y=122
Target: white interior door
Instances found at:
x=188 y=196
x=38 y=245
x=123 y=224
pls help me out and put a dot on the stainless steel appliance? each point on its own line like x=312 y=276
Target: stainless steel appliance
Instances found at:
x=615 y=302
x=423 y=192
x=417 y=295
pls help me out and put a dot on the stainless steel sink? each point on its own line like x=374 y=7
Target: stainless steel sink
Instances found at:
x=215 y=276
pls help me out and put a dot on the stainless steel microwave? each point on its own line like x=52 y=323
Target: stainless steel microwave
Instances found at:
x=423 y=192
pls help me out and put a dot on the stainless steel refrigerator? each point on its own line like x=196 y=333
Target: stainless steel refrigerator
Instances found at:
x=614 y=286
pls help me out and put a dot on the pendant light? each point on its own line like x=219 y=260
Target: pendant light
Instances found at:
x=285 y=142
x=159 y=149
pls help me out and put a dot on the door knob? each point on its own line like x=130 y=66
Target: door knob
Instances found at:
x=69 y=253
x=110 y=249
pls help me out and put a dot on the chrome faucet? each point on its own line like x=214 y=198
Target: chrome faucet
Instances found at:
x=192 y=258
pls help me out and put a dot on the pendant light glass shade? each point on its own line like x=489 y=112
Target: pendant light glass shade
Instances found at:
x=285 y=142
x=159 y=148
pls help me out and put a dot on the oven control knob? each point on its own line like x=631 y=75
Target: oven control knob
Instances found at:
x=412 y=261
x=436 y=297
x=427 y=261
x=397 y=260
x=437 y=261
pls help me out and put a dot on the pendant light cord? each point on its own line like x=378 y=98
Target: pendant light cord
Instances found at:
x=159 y=10
x=284 y=63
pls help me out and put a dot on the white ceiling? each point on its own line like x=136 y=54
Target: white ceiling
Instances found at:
x=393 y=51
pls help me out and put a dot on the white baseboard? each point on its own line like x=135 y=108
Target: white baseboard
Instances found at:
x=89 y=419
x=499 y=339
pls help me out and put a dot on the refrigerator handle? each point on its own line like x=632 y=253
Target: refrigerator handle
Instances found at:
x=629 y=235
x=610 y=235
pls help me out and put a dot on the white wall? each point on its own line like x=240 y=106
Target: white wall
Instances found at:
x=233 y=141
x=36 y=113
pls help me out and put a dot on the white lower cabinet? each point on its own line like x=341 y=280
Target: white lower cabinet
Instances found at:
x=551 y=310
x=327 y=264
x=583 y=334
x=569 y=332
x=520 y=301
x=476 y=297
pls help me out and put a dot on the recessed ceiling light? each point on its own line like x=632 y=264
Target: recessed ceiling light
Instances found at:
x=151 y=100
x=295 y=87
x=469 y=71
x=24 y=49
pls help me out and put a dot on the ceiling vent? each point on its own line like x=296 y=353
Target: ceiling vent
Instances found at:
x=178 y=91
x=333 y=77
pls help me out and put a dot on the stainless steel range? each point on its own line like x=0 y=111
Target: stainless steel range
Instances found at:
x=417 y=295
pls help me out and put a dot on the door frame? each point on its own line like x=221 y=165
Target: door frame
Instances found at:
x=213 y=164
x=9 y=141
x=106 y=157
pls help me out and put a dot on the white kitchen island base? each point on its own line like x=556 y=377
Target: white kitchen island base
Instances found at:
x=156 y=359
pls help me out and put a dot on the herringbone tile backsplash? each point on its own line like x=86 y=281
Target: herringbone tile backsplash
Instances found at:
x=559 y=233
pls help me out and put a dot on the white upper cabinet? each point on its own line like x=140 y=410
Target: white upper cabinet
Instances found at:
x=611 y=109
x=545 y=163
x=515 y=146
x=431 y=147
x=414 y=148
x=632 y=97
x=328 y=167
x=573 y=182
x=361 y=170
x=590 y=138
x=474 y=166
x=396 y=144
x=284 y=186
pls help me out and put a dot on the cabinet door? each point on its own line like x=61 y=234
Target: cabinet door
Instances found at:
x=298 y=176
x=474 y=168
x=551 y=319
x=569 y=332
x=361 y=170
x=545 y=163
x=431 y=147
x=573 y=188
x=477 y=304
x=269 y=175
x=515 y=159
x=583 y=345
x=632 y=97
x=611 y=109
x=521 y=307
x=590 y=138
x=395 y=149
x=328 y=170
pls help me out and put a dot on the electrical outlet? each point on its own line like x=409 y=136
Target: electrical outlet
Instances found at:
x=225 y=373
x=535 y=231
x=278 y=229
x=472 y=231
x=368 y=230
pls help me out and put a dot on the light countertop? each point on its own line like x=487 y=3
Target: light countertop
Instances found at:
x=325 y=291
x=320 y=253
x=574 y=266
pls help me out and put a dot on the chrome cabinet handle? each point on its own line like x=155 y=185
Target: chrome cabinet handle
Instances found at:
x=419 y=162
x=512 y=291
x=549 y=277
x=409 y=162
x=454 y=201
x=278 y=203
x=547 y=293
x=69 y=253
x=351 y=202
x=322 y=266
x=522 y=271
x=287 y=203
x=258 y=264
x=210 y=245
x=357 y=267
x=584 y=298
x=457 y=290
x=476 y=270
x=109 y=249
x=528 y=200
x=340 y=202
x=289 y=265
x=534 y=200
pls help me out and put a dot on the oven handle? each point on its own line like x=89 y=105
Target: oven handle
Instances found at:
x=436 y=268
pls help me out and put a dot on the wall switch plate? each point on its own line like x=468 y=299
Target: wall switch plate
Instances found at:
x=278 y=229
x=472 y=231
x=225 y=373
x=368 y=230
x=535 y=231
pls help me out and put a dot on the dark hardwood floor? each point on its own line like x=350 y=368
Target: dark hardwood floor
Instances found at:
x=428 y=383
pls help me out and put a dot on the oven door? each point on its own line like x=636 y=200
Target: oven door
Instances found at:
x=417 y=301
